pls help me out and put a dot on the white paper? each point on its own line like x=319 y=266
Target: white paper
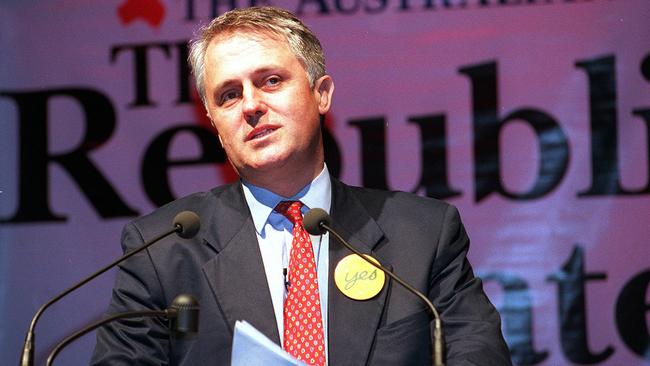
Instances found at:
x=252 y=348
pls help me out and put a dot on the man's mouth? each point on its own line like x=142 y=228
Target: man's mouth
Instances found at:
x=260 y=131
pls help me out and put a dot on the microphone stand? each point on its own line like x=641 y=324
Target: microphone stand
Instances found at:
x=186 y=224
x=27 y=358
x=184 y=309
x=99 y=323
x=436 y=335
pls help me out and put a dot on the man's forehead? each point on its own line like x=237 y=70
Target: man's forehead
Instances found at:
x=224 y=70
x=259 y=35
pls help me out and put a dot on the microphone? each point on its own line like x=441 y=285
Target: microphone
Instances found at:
x=183 y=317
x=186 y=224
x=184 y=314
x=317 y=222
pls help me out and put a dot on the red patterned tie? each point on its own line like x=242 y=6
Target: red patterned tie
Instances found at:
x=303 y=321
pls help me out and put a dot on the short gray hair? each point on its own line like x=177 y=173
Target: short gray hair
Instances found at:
x=302 y=41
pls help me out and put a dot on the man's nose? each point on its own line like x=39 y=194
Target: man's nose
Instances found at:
x=253 y=104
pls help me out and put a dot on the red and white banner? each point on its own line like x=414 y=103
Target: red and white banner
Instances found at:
x=531 y=116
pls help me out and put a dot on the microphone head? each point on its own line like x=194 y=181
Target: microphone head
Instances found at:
x=313 y=220
x=187 y=223
x=186 y=310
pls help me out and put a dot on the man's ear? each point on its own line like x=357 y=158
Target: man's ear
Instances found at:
x=215 y=128
x=207 y=114
x=324 y=88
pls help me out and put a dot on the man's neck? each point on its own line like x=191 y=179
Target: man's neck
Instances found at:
x=285 y=182
x=316 y=194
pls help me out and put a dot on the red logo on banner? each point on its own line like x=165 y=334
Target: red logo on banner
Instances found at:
x=151 y=11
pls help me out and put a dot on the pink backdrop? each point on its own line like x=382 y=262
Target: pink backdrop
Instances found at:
x=531 y=116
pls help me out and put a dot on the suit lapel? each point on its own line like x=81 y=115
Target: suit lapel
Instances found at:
x=352 y=324
x=236 y=275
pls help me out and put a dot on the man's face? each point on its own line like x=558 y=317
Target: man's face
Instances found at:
x=265 y=112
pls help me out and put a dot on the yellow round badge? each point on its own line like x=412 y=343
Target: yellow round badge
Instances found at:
x=358 y=279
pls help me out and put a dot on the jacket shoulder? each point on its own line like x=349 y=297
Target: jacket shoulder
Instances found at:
x=377 y=201
x=201 y=203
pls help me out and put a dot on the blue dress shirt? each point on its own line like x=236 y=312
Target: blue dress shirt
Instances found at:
x=274 y=235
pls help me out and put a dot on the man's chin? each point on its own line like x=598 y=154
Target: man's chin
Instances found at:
x=264 y=166
x=270 y=165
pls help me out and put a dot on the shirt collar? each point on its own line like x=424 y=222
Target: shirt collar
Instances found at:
x=261 y=202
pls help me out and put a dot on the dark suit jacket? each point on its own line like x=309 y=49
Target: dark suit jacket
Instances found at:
x=421 y=239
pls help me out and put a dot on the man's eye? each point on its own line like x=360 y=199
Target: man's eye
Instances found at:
x=272 y=81
x=229 y=95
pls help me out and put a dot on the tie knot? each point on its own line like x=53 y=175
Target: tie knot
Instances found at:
x=290 y=210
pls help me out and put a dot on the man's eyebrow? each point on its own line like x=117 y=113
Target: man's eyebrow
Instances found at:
x=267 y=69
x=262 y=70
x=224 y=84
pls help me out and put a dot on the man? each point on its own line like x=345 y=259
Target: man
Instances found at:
x=261 y=76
